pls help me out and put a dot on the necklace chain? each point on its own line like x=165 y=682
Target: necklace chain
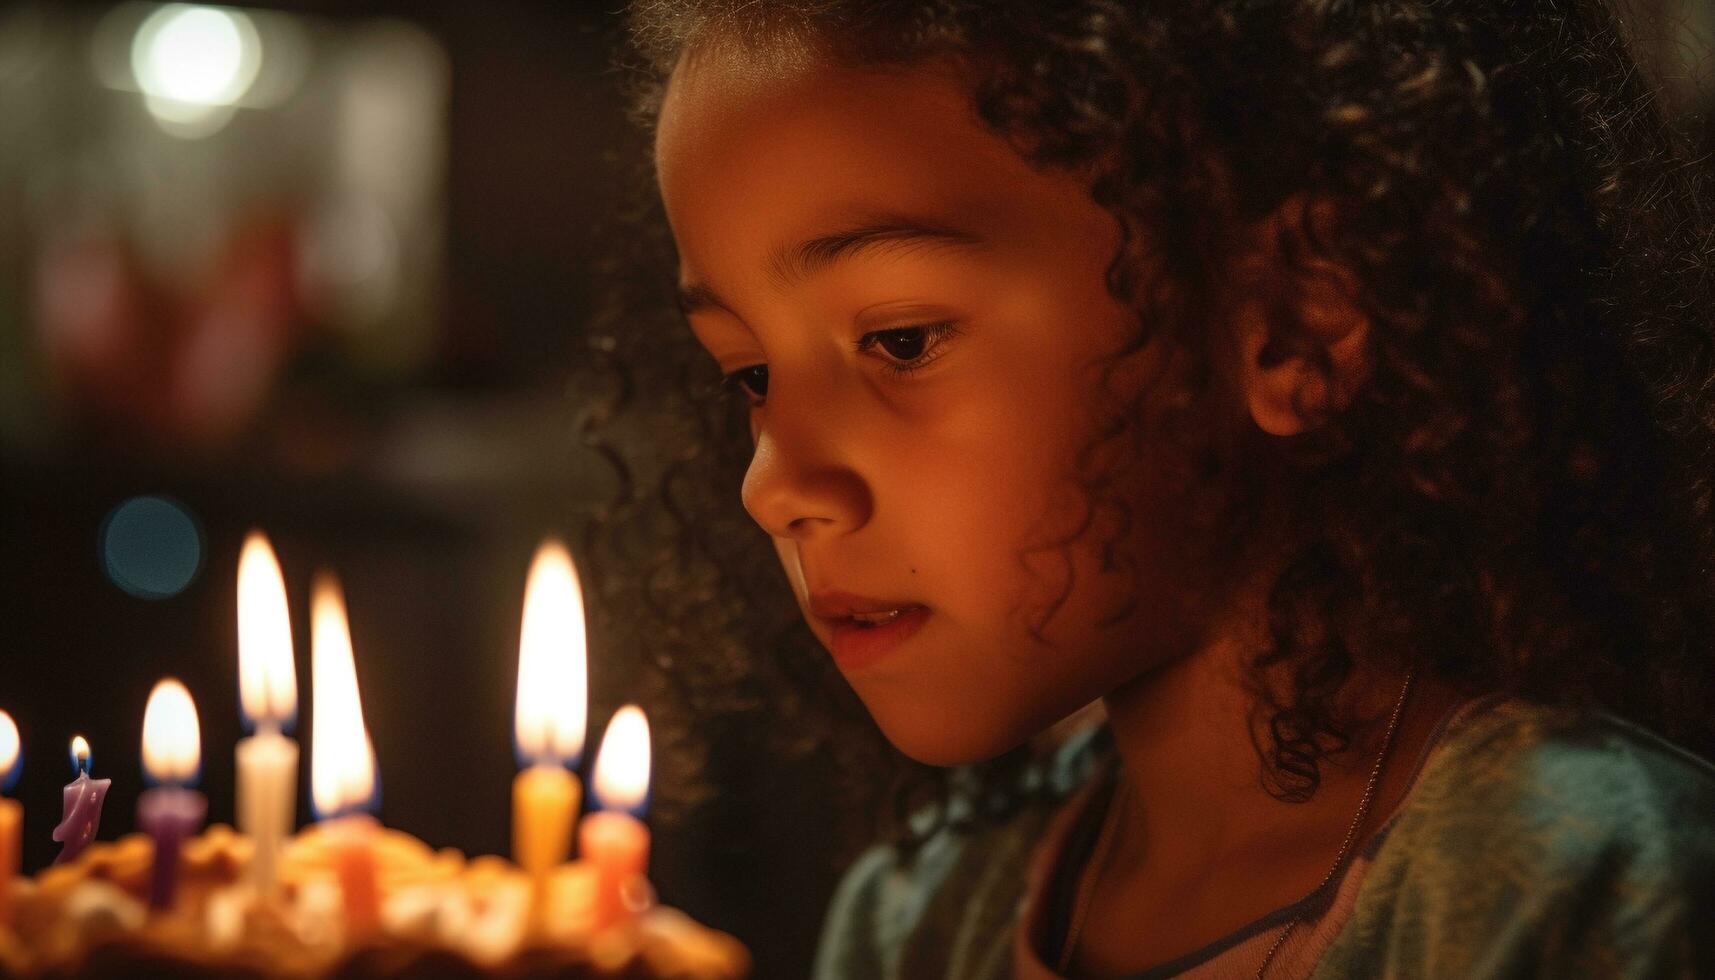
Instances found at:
x=1357 y=818
x=1110 y=825
x=1087 y=887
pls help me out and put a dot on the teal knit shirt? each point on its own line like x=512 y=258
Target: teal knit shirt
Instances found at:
x=1534 y=841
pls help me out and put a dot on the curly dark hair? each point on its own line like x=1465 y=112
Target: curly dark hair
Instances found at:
x=1520 y=496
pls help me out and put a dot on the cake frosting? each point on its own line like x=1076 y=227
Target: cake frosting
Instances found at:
x=442 y=915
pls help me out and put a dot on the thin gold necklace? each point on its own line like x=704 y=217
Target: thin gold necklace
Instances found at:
x=1110 y=824
x=1098 y=862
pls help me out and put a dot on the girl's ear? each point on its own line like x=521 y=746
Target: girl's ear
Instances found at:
x=1302 y=340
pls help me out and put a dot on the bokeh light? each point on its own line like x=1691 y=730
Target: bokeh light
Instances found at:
x=151 y=547
x=193 y=64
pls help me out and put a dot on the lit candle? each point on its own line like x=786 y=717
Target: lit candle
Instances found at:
x=268 y=694
x=342 y=760
x=614 y=840
x=172 y=757
x=11 y=814
x=81 y=816
x=551 y=712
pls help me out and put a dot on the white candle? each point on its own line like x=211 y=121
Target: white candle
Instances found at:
x=342 y=759
x=550 y=717
x=614 y=840
x=268 y=693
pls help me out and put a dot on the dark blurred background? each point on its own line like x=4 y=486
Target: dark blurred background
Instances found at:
x=327 y=269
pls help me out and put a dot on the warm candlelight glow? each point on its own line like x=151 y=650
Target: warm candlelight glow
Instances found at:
x=614 y=840
x=622 y=765
x=11 y=813
x=267 y=677
x=83 y=798
x=169 y=813
x=342 y=762
x=552 y=662
x=172 y=739
x=11 y=749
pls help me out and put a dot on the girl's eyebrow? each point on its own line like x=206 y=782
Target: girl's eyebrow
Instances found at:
x=697 y=297
x=789 y=266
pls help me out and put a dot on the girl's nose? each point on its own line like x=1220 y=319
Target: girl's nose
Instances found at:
x=795 y=488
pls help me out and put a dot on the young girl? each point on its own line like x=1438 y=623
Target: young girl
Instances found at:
x=1323 y=387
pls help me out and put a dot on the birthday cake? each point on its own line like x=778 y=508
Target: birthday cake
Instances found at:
x=440 y=914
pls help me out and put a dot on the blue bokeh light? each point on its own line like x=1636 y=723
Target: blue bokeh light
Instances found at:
x=151 y=547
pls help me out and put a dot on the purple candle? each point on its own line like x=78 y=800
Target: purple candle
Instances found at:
x=172 y=755
x=83 y=799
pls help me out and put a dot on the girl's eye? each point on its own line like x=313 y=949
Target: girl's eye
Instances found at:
x=752 y=381
x=908 y=349
x=902 y=351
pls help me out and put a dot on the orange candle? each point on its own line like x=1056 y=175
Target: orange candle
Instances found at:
x=11 y=829
x=354 y=864
x=548 y=725
x=342 y=760
x=11 y=814
x=614 y=840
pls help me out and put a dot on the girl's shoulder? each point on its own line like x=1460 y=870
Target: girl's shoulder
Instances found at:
x=946 y=908
x=1541 y=839
x=1558 y=778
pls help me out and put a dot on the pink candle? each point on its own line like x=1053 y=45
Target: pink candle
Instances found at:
x=172 y=756
x=171 y=815
x=615 y=841
x=84 y=797
x=618 y=845
x=11 y=814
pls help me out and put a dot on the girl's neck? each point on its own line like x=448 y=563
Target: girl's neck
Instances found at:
x=1184 y=737
x=1201 y=850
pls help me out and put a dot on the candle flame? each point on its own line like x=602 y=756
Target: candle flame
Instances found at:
x=80 y=754
x=552 y=661
x=622 y=764
x=342 y=760
x=11 y=751
x=267 y=676
x=172 y=738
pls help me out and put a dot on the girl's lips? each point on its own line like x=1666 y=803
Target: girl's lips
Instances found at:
x=855 y=646
x=831 y=606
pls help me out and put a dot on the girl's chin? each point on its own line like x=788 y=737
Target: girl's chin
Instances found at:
x=945 y=737
x=967 y=722
x=957 y=751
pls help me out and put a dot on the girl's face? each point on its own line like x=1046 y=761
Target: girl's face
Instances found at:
x=918 y=319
